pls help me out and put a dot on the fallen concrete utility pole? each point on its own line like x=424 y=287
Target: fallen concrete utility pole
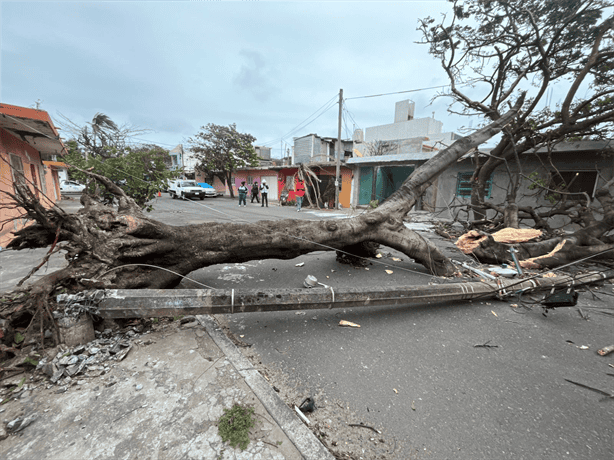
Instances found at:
x=150 y=303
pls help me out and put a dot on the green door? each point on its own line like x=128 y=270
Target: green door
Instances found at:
x=366 y=184
x=390 y=179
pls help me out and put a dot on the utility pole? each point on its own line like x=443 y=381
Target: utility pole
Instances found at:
x=182 y=163
x=338 y=168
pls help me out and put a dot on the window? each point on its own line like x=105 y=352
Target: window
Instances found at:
x=17 y=170
x=463 y=185
x=574 y=182
x=250 y=180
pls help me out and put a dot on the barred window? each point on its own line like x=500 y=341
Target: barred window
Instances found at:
x=463 y=185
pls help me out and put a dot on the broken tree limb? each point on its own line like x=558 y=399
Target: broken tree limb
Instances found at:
x=150 y=303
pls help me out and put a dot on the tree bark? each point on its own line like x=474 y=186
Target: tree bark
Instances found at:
x=123 y=249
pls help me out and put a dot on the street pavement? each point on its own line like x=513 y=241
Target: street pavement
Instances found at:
x=415 y=372
x=162 y=399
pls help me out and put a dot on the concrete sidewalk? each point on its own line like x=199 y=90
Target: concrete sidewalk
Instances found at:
x=162 y=401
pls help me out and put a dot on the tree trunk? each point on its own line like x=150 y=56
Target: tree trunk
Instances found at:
x=122 y=248
x=229 y=184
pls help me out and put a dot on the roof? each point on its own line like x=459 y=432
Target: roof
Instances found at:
x=396 y=158
x=33 y=127
x=578 y=146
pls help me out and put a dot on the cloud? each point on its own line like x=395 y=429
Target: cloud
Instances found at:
x=255 y=76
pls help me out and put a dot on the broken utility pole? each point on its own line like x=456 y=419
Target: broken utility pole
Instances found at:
x=150 y=303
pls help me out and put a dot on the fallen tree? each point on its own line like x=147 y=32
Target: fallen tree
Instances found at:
x=121 y=248
x=503 y=46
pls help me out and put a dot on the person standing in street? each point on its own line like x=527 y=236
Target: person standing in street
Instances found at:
x=243 y=194
x=255 y=192
x=264 y=192
x=299 y=193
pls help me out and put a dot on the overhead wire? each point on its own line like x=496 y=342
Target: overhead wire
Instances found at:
x=233 y=218
x=317 y=114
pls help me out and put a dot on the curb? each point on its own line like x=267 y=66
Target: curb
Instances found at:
x=303 y=439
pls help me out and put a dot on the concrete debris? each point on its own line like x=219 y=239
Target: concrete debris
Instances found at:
x=19 y=423
x=89 y=359
x=187 y=319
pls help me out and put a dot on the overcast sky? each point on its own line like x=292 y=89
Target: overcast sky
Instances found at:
x=266 y=66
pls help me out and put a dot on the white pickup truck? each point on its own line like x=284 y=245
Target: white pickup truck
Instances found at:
x=186 y=189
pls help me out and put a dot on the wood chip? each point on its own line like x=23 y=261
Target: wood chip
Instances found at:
x=606 y=350
x=390 y=272
x=348 y=324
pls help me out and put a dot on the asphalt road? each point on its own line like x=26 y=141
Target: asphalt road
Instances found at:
x=414 y=372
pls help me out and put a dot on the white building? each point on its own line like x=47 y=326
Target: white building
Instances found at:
x=406 y=135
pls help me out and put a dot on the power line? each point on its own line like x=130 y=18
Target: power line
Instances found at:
x=411 y=90
x=323 y=109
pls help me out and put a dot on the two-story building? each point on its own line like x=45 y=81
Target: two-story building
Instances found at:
x=30 y=147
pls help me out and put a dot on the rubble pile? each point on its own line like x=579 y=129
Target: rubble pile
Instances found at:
x=91 y=360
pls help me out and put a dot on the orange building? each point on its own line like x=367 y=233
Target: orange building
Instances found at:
x=29 y=150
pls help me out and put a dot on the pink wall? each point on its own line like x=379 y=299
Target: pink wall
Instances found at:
x=9 y=144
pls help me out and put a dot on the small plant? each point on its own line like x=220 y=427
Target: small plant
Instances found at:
x=31 y=361
x=374 y=203
x=235 y=424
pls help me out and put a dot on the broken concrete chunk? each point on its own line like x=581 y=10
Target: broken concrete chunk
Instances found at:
x=27 y=421
x=122 y=354
x=49 y=369
x=72 y=370
x=187 y=319
x=57 y=375
x=13 y=424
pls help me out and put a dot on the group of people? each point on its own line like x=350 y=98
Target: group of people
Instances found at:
x=263 y=189
x=299 y=192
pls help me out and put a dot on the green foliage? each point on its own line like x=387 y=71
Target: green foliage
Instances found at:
x=235 y=424
x=19 y=337
x=222 y=149
x=538 y=182
x=31 y=361
x=141 y=172
x=374 y=204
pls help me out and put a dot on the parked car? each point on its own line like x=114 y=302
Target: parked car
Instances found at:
x=186 y=189
x=209 y=190
x=71 y=186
